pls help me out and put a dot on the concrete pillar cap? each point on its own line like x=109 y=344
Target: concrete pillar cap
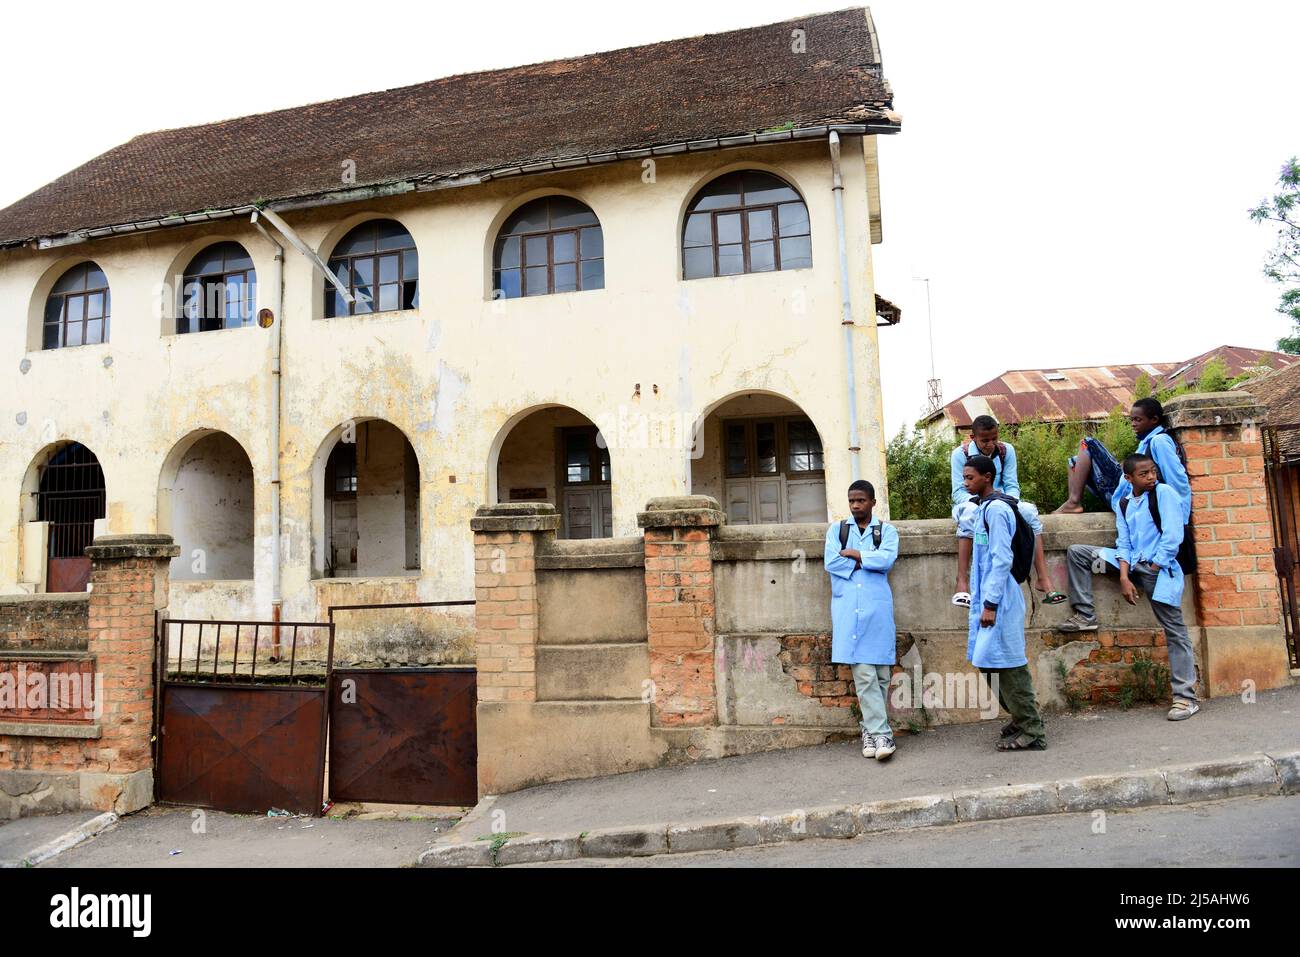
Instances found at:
x=680 y=511
x=516 y=517
x=134 y=545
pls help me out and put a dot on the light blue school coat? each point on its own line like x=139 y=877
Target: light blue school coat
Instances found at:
x=1006 y=477
x=862 y=605
x=1138 y=541
x=1159 y=444
x=1003 y=645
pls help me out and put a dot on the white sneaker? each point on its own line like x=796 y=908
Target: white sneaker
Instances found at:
x=884 y=746
x=1181 y=711
x=868 y=745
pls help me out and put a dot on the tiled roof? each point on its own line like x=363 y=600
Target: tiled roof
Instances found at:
x=735 y=84
x=1092 y=392
x=1279 y=392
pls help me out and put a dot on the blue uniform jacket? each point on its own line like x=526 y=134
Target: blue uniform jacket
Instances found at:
x=1159 y=444
x=1138 y=541
x=862 y=605
x=1006 y=478
x=1002 y=645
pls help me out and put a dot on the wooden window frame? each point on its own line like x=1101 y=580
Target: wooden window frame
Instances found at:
x=594 y=452
x=63 y=323
x=221 y=277
x=743 y=209
x=350 y=260
x=550 y=233
x=782 y=423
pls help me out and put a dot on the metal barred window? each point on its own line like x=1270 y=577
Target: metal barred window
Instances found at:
x=379 y=264
x=745 y=222
x=553 y=244
x=76 y=313
x=218 y=290
x=71 y=496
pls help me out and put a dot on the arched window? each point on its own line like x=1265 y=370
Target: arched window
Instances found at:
x=553 y=244
x=742 y=222
x=77 y=311
x=219 y=290
x=378 y=263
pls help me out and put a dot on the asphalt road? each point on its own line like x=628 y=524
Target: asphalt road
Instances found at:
x=1246 y=832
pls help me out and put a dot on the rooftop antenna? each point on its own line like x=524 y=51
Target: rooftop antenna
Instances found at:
x=934 y=385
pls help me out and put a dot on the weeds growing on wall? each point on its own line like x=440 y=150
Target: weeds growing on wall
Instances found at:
x=920 y=480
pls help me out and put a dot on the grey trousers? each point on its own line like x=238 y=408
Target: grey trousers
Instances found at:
x=872 y=685
x=1182 y=663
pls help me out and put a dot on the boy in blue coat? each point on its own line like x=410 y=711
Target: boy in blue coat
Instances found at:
x=996 y=643
x=862 y=611
x=1150 y=530
x=984 y=441
x=1095 y=468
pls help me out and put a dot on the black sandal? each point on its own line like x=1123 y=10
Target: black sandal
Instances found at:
x=1021 y=743
x=1010 y=730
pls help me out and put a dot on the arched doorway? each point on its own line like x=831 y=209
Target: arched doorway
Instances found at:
x=205 y=502
x=761 y=457
x=556 y=454
x=368 y=509
x=69 y=496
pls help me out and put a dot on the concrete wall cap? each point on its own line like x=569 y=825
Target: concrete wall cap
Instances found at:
x=682 y=511
x=1212 y=409
x=673 y=503
x=134 y=545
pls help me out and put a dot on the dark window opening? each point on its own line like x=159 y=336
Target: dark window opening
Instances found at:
x=786 y=445
x=71 y=496
x=218 y=290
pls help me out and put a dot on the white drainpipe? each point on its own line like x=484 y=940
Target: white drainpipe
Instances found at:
x=846 y=306
x=277 y=303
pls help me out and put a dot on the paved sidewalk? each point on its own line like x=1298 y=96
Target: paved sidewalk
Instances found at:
x=938 y=760
x=148 y=838
x=27 y=837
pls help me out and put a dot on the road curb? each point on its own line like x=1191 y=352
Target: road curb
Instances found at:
x=1242 y=776
x=82 y=832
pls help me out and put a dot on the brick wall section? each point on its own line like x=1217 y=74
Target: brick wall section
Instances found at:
x=505 y=615
x=128 y=584
x=679 y=625
x=30 y=623
x=506 y=541
x=681 y=607
x=1238 y=605
x=807 y=659
x=1236 y=579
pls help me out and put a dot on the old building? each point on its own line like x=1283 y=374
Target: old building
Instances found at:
x=589 y=282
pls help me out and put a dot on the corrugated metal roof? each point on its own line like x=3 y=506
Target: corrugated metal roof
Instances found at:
x=1088 y=392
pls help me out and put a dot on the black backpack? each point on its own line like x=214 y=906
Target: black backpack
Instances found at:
x=1022 y=542
x=875 y=538
x=1187 y=550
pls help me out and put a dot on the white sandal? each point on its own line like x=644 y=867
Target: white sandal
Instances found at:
x=961 y=599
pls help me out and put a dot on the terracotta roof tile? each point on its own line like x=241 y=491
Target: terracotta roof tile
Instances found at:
x=736 y=83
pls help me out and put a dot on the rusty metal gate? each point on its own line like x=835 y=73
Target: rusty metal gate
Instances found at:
x=231 y=738
x=403 y=735
x=1282 y=476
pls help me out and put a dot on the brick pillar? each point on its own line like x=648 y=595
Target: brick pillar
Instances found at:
x=1236 y=588
x=128 y=583
x=680 y=603
x=506 y=541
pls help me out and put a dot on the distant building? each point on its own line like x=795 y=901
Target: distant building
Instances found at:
x=1090 y=393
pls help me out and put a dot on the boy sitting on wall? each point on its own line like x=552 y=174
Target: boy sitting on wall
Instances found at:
x=1150 y=531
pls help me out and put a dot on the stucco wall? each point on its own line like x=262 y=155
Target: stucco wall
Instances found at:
x=452 y=375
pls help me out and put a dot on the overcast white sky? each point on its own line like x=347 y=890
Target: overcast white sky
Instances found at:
x=1073 y=178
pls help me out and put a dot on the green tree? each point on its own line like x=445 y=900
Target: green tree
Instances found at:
x=1283 y=262
x=918 y=472
x=1143 y=388
x=1214 y=377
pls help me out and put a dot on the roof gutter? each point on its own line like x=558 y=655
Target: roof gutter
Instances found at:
x=846 y=306
x=888 y=123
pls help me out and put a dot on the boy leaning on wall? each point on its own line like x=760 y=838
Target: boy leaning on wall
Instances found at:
x=859 y=553
x=1149 y=523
